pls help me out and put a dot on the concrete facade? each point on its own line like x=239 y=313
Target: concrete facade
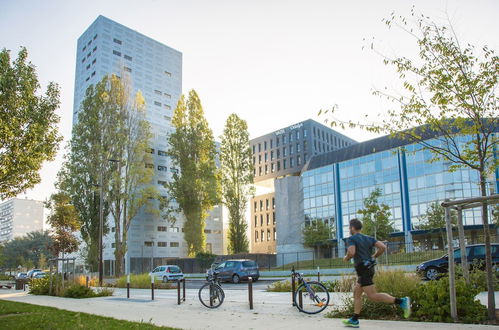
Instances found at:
x=19 y=217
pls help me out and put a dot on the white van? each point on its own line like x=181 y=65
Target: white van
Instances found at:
x=167 y=273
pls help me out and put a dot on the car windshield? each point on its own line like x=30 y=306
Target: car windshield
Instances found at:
x=249 y=264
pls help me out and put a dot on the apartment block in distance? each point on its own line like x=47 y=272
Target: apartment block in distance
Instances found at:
x=277 y=155
x=155 y=69
x=19 y=217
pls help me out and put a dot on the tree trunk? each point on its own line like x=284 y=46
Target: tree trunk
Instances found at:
x=488 y=255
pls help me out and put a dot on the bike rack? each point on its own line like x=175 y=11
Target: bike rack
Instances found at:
x=179 y=298
x=293 y=290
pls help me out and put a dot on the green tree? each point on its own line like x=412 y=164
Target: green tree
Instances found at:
x=316 y=234
x=28 y=124
x=196 y=188
x=449 y=94
x=64 y=220
x=130 y=183
x=42 y=261
x=29 y=247
x=236 y=180
x=434 y=221
x=376 y=217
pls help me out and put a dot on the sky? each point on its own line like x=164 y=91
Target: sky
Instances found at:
x=274 y=63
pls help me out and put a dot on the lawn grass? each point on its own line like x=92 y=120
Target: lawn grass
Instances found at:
x=16 y=315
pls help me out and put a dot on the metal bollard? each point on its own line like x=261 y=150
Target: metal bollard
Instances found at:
x=318 y=274
x=178 y=292
x=250 y=292
x=128 y=286
x=183 y=289
x=152 y=287
x=293 y=288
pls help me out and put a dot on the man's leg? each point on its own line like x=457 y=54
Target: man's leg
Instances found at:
x=404 y=303
x=357 y=299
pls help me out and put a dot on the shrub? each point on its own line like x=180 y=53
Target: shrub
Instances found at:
x=143 y=281
x=431 y=302
x=394 y=282
x=345 y=284
x=280 y=286
x=40 y=286
x=78 y=291
x=82 y=280
x=104 y=292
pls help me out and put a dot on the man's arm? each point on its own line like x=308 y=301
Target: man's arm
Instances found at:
x=380 y=249
x=350 y=253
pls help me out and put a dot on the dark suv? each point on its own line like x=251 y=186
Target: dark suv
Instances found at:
x=432 y=269
x=235 y=270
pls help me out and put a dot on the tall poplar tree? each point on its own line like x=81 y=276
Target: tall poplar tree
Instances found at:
x=196 y=187
x=236 y=180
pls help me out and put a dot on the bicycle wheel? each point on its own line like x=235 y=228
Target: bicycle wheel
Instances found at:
x=313 y=300
x=211 y=295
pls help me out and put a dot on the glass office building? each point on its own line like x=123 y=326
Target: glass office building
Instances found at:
x=336 y=184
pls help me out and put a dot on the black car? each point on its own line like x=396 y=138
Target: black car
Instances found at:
x=432 y=269
x=235 y=270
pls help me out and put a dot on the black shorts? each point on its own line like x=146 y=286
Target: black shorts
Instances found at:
x=365 y=275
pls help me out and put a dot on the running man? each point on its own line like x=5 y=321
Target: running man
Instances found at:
x=361 y=249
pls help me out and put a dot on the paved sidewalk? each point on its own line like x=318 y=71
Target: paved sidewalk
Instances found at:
x=271 y=311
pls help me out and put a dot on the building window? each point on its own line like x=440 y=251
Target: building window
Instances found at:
x=157 y=103
x=266 y=169
x=93 y=74
x=259 y=147
x=272 y=155
x=169 y=74
x=261 y=205
x=259 y=159
x=162 y=153
x=93 y=62
x=84 y=48
x=298 y=160
x=173 y=229
x=268 y=235
x=261 y=219
x=275 y=236
x=284 y=139
x=162 y=168
x=174 y=170
x=254 y=160
x=117 y=41
x=266 y=158
x=272 y=168
x=273 y=218
x=95 y=36
x=271 y=143
x=94 y=50
x=284 y=153
x=255 y=205
x=129 y=58
x=256 y=235
x=161 y=244
x=268 y=219
x=168 y=96
x=127 y=69
x=298 y=147
x=277 y=141
x=148 y=243
x=262 y=235
x=256 y=221
x=297 y=135
x=264 y=145
x=259 y=171
x=161 y=228
x=207 y=231
x=273 y=202
x=284 y=164
x=291 y=162
x=278 y=151
x=117 y=53
x=278 y=165
x=174 y=244
x=267 y=204
x=304 y=158
x=149 y=165
x=290 y=137
x=291 y=149
x=167 y=107
x=163 y=183
x=305 y=145
x=88 y=66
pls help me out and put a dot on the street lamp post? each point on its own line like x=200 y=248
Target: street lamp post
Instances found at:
x=101 y=222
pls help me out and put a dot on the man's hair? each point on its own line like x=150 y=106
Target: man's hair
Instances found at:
x=356 y=224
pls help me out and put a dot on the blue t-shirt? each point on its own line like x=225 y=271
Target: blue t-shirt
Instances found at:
x=364 y=247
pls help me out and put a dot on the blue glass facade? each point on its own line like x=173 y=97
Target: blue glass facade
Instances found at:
x=409 y=183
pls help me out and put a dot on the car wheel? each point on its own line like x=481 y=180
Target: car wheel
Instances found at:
x=432 y=273
x=165 y=279
x=236 y=279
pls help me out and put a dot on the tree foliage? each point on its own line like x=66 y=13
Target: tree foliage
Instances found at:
x=28 y=124
x=434 y=220
x=376 y=217
x=64 y=220
x=27 y=250
x=316 y=233
x=196 y=188
x=236 y=180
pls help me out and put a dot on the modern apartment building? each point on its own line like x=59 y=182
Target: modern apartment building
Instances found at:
x=19 y=217
x=333 y=185
x=155 y=69
x=280 y=154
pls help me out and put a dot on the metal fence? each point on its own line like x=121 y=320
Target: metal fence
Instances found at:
x=398 y=253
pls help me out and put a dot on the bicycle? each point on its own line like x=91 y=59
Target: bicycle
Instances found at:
x=310 y=297
x=211 y=294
